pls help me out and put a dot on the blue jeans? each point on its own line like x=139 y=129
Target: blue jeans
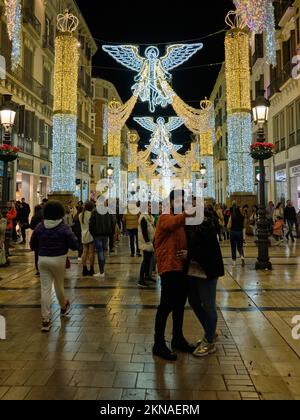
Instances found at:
x=202 y=298
x=100 y=248
x=237 y=242
x=290 y=224
x=133 y=236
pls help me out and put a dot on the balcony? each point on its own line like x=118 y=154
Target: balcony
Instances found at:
x=86 y=130
x=82 y=167
x=86 y=86
x=28 y=81
x=25 y=145
x=284 y=75
x=47 y=98
x=48 y=43
x=30 y=18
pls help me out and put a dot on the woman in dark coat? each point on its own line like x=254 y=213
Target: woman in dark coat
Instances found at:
x=205 y=267
x=36 y=219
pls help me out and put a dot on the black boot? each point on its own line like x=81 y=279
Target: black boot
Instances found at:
x=85 y=271
x=162 y=351
x=91 y=272
x=182 y=345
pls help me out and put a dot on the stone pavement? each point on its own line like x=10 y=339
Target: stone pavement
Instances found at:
x=103 y=351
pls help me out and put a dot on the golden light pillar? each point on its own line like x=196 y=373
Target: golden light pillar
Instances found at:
x=65 y=109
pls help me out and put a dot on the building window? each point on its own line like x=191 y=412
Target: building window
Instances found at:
x=298 y=121
x=105 y=93
x=282 y=131
x=291 y=125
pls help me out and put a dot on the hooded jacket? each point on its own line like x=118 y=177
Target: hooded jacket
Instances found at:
x=101 y=225
x=53 y=238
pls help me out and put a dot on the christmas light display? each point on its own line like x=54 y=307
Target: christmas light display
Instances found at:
x=259 y=16
x=237 y=67
x=239 y=124
x=64 y=153
x=65 y=105
x=13 y=13
x=133 y=139
x=209 y=191
x=153 y=71
x=240 y=165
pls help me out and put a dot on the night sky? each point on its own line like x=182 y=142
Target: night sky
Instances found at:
x=152 y=22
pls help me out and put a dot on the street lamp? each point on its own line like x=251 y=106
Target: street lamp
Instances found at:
x=110 y=171
x=203 y=170
x=7 y=119
x=260 y=109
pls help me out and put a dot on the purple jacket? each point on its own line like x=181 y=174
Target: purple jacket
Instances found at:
x=53 y=239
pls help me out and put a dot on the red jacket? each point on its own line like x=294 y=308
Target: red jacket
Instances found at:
x=170 y=237
x=10 y=216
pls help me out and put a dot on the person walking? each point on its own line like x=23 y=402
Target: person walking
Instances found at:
x=131 y=223
x=23 y=216
x=278 y=212
x=254 y=219
x=146 y=233
x=36 y=219
x=245 y=213
x=170 y=238
x=236 y=226
x=76 y=228
x=290 y=218
x=53 y=239
x=226 y=215
x=88 y=253
x=10 y=217
x=3 y=226
x=206 y=266
x=101 y=227
x=221 y=223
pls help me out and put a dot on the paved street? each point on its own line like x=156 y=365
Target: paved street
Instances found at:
x=103 y=351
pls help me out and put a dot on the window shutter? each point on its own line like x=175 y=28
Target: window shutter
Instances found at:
x=50 y=138
x=21 y=120
x=36 y=129
x=42 y=133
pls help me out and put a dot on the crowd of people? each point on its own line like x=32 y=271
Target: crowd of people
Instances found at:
x=186 y=257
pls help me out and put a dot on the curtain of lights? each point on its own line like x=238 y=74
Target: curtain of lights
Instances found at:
x=13 y=13
x=133 y=139
x=259 y=16
x=239 y=125
x=65 y=105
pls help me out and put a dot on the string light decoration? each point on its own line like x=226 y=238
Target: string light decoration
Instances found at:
x=153 y=70
x=206 y=139
x=237 y=66
x=65 y=105
x=13 y=13
x=64 y=153
x=196 y=120
x=105 y=124
x=209 y=191
x=133 y=139
x=259 y=16
x=239 y=124
x=240 y=167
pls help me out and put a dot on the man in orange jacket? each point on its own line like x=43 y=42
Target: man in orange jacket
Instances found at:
x=170 y=238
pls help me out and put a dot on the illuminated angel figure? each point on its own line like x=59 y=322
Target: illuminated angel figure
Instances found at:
x=153 y=71
x=160 y=139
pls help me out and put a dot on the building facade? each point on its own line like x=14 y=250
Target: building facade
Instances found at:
x=281 y=85
x=218 y=98
x=31 y=87
x=103 y=93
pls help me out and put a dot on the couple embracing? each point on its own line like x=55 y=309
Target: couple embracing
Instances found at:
x=190 y=263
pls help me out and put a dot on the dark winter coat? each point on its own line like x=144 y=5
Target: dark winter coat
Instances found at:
x=53 y=242
x=204 y=248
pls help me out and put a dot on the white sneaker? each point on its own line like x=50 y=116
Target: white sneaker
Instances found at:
x=99 y=275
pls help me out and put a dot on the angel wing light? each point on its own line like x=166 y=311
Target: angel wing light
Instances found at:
x=153 y=71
